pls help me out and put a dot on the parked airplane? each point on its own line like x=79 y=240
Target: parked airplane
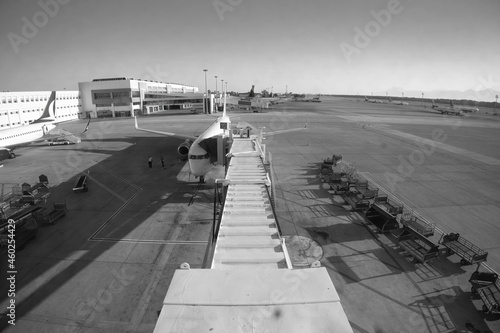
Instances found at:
x=468 y=109
x=448 y=109
x=373 y=100
x=398 y=103
x=314 y=99
x=197 y=148
x=37 y=131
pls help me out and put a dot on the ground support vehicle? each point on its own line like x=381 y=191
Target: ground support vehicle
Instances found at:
x=366 y=190
x=421 y=248
x=421 y=226
x=469 y=252
x=59 y=210
x=81 y=184
x=382 y=214
x=487 y=286
x=35 y=194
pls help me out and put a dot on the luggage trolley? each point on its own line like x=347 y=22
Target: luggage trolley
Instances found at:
x=469 y=252
x=486 y=286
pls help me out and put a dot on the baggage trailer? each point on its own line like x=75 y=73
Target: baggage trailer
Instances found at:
x=340 y=187
x=421 y=248
x=367 y=191
x=35 y=194
x=81 y=184
x=421 y=226
x=19 y=217
x=25 y=231
x=382 y=214
x=469 y=252
x=486 y=286
x=355 y=200
x=329 y=171
x=51 y=218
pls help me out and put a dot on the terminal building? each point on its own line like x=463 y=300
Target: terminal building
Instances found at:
x=125 y=97
x=24 y=107
x=101 y=98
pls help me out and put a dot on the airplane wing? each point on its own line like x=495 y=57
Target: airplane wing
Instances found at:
x=174 y=135
x=290 y=129
x=243 y=124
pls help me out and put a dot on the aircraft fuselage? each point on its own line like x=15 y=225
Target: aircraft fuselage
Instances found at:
x=198 y=158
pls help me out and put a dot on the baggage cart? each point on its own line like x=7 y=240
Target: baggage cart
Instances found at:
x=486 y=286
x=482 y=279
x=421 y=248
x=367 y=191
x=490 y=295
x=469 y=252
x=382 y=214
x=58 y=211
x=421 y=226
x=35 y=194
x=24 y=232
x=355 y=200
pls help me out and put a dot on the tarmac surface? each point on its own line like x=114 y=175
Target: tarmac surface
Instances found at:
x=106 y=266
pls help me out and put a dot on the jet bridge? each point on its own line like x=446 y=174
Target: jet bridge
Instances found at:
x=250 y=285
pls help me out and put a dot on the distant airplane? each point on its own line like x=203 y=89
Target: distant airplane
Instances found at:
x=452 y=110
x=468 y=109
x=398 y=103
x=198 y=149
x=39 y=130
x=373 y=100
x=313 y=100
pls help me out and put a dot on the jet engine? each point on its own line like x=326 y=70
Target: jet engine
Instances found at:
x=183 y=148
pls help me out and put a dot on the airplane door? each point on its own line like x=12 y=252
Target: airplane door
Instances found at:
x=45 y=129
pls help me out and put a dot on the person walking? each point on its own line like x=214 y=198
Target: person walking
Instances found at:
x=150 y=162
x=162 y=161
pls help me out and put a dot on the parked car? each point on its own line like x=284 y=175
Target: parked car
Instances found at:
x=59 y=141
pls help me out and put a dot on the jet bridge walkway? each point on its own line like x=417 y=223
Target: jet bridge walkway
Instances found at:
x=250 y=285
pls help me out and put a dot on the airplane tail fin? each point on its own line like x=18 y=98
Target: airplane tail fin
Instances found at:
x=49 y=112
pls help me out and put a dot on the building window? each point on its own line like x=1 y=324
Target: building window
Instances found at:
x=121 y=94
x=102 y=95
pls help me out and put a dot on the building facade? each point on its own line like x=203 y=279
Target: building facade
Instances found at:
x=125 y=97
x=24 y=107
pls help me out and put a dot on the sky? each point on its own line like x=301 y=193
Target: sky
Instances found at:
x=315 y=46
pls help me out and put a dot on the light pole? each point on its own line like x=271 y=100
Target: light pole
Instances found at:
x=205 y=95
x=216 y=92
x=496 y=101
